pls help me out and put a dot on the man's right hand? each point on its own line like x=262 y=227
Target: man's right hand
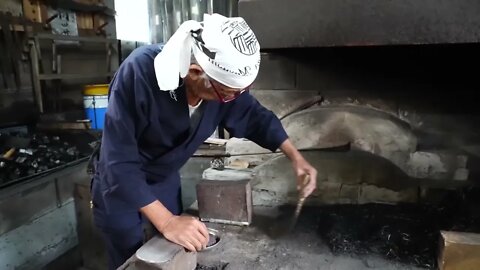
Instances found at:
x=186 y=231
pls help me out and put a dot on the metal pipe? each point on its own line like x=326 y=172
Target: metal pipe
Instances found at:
x=37 y=89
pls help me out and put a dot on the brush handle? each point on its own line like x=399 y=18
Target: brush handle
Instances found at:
x=301 y=200
x=305 y=181
x=299 y=206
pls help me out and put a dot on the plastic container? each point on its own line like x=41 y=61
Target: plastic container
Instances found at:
x=95 y=101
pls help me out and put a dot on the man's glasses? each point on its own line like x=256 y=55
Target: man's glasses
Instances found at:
x=224 y=98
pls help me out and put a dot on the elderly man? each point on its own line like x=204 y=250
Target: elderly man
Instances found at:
x=162 y=107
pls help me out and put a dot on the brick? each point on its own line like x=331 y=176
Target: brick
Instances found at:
x=161 y=254
x=349 y=193
x=370 y=193
x=326 y=193
x=225 y=201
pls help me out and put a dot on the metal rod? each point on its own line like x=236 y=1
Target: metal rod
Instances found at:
x=54 y=57
x=109 y=56
x=340 y=148
x=74 y=38
x=35 y=77
x=46 y=77
x=49 y=20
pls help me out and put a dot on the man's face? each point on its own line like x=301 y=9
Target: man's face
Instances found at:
x=209 y=89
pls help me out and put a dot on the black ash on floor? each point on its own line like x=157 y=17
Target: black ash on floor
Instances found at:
x=219 y=266
x=406 y=233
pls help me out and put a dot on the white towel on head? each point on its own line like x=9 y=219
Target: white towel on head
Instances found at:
x=226 y=49
x=174 y=60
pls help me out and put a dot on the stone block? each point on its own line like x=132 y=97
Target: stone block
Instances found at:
x=326 y=193
x=349 y=193
x=160 y=254
x=438 y=165
x=459 y=251
x=227 y=174
x=370 y=194
x=334 y=193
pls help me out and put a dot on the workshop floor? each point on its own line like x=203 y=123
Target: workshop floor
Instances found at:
x=256 y=247
x=343 y=237
x=339 y=237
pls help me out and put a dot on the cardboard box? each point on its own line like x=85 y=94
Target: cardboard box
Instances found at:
x=459 y=251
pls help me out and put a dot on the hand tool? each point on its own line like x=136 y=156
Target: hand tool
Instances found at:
x=301 y=200
x=330 y=148
x=284 y=224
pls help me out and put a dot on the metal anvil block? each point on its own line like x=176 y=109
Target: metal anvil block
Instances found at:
x=225 y=201
x=160 y=254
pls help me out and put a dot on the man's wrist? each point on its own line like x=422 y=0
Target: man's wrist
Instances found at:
x=158 y=214
x=290 y=151
x=165 y=223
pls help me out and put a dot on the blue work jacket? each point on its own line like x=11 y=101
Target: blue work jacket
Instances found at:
x=147 y=136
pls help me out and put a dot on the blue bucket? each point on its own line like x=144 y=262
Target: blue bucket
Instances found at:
x=95 y=102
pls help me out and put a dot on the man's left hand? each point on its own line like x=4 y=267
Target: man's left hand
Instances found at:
x=303 y=169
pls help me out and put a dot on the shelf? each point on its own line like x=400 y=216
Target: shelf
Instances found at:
x=19 y=28
x=81 y=7
x=74 y=38
x=46 y=77
x=22 y=90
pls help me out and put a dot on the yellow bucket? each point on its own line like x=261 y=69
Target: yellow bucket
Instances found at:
x=96 y=90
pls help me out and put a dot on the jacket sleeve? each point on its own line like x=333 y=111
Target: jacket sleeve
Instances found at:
x=247 y=118
x=124 y=121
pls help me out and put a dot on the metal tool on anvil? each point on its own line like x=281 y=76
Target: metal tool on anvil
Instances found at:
x=344 y=147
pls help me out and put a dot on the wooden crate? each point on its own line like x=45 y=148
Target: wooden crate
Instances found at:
x=35 y=11
x=84 y=20
x=87 y=23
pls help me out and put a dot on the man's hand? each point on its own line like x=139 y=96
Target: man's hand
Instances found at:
x=301 y=168
x=186 y=231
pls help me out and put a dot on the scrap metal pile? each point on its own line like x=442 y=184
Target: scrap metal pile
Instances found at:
x=23 y=155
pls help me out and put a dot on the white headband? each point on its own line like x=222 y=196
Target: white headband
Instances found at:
x=225 y=48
